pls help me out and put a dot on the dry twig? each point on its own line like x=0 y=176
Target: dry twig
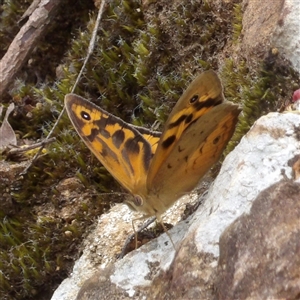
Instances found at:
x=25 y=41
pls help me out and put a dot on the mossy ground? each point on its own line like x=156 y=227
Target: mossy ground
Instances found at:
x=144 y=58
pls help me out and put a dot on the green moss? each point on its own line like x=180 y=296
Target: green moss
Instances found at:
x=258 y=91
x=237 y=22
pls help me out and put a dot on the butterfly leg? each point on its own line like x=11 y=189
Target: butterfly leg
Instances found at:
x=167 y=233
x=134 y=235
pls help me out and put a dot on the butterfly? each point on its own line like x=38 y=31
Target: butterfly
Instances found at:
x=159 y=168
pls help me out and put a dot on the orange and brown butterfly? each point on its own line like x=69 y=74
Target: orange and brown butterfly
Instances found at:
x=159 y=168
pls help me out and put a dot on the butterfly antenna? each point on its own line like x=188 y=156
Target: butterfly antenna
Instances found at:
x=113 y=194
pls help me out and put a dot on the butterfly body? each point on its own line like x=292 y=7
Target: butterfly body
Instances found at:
x=159 y=168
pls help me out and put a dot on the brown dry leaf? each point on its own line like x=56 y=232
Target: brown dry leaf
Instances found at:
x=7 y=134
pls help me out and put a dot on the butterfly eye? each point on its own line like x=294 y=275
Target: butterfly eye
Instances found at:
x=194 y=98
x=138 y=201
x=85 y=116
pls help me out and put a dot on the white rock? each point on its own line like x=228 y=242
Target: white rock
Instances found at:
x=255 y=164
x=287 y=34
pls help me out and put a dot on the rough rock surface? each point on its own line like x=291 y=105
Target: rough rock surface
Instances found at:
x=259 y=252
x=268 y=25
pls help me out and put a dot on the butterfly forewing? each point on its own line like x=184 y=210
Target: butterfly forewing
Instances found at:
x=151 y=136
x=122 y=149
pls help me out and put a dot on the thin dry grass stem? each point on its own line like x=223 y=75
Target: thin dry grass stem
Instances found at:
x=90 y=51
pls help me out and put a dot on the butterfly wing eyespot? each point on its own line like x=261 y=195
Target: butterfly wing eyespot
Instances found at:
x=194 y=99
x=86 y=116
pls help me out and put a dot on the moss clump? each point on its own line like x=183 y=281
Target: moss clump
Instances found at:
x=237 y=22
x=258 y=91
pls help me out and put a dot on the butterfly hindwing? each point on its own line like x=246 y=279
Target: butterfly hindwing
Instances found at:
x=194 y=153
x=120 y=147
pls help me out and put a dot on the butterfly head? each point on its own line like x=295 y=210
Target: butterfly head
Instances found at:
x=147 y=207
